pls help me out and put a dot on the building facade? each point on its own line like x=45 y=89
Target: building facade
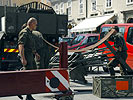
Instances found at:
x=20 y=2
x=79 y=10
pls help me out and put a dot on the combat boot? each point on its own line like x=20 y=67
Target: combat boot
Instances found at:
x=112 y=71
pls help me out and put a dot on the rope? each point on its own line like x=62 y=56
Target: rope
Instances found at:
x=50 y=44
x=96 y=44
x=89 y=47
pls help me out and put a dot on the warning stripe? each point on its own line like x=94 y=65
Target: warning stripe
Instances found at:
x=61 y=78
x=64 y=74
x=6 y=50
x=64 y=84
x=49 y=87
x=15 y=50
x=10 y=50
x=49 y=75
x=61 y=87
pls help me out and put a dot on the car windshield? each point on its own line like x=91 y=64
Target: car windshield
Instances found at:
x=106 y=29
x=78 y=39
x=68 y=40
x=90 y=39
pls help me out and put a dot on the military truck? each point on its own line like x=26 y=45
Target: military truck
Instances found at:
x=50 y=24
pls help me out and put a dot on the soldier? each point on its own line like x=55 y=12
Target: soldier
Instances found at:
x=121 y=50
x=26 y=46
x=42 y=49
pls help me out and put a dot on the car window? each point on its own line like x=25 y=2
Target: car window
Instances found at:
x=130 y=35
x=122 y=30
x=90 y=39
x=78 y=39
x=68 y=40
x=105 y=30
x=85 y=41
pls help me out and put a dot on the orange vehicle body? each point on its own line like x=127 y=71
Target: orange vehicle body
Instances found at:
x=127 y=31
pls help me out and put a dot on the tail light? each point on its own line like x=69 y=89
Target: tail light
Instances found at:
x=3 y=58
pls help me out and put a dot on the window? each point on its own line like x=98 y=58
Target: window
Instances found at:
x=0 y=3
x=106 y=29
x=129 y=1
x=81 y=6
x=69 y=7
x=14 y=4
x=130 y=35
x=10 y=2
x=57 y=8
x=93 y=5
x=122 y=30
x=7 y=3
x=42 y=1
x=108 y=3
x=85 y=41
x=77 y=40
x=90 y=40
x=62 y=8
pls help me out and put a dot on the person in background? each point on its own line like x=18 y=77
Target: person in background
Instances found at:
x=42 y=49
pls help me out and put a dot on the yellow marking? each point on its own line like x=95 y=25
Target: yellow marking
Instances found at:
x=5 y=50
x=11 y=50
x=17 y=51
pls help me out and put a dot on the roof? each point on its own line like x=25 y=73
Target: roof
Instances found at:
x=123 y=24
x=90 y=24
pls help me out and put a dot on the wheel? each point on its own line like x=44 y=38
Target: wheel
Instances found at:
x=69 y=98
x=65 y=98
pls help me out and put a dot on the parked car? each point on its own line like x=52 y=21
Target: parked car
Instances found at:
x=83 y=40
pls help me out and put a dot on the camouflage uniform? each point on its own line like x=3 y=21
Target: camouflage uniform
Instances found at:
x=26 y=38
x=119 y=41
x=42 y=49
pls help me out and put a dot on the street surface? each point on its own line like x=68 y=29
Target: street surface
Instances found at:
x=82 y=91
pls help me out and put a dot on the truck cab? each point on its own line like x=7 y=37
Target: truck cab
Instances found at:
x=127 y=31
